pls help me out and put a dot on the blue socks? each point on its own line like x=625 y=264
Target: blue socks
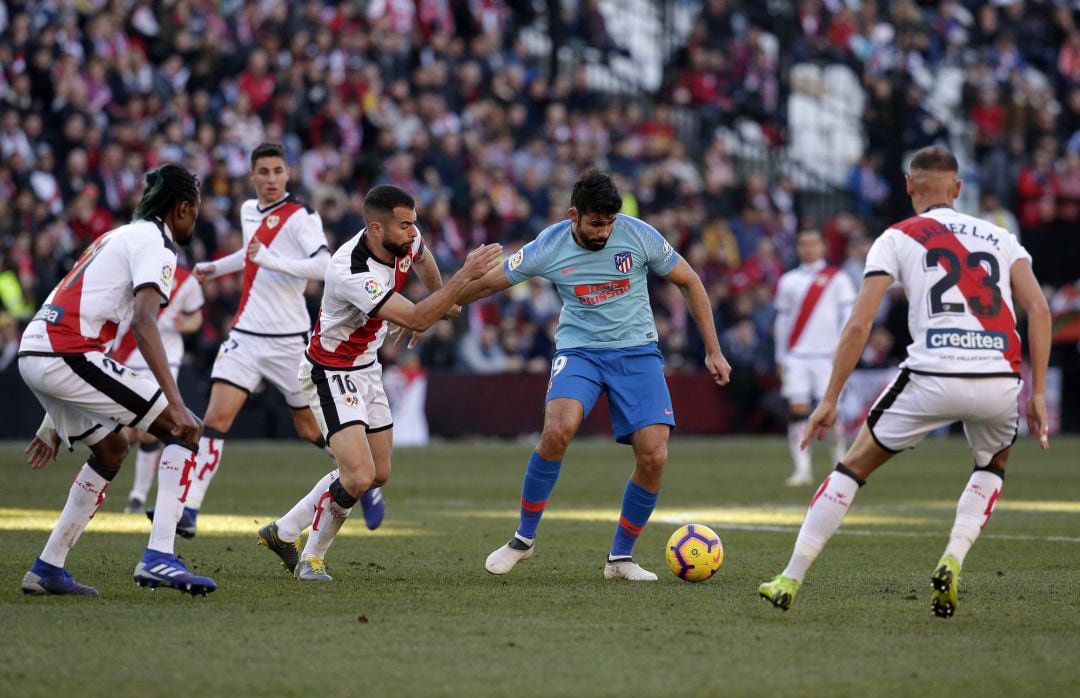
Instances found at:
x=540 y=478
x=637 y=506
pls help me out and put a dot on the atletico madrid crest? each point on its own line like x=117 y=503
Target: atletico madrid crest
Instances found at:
x=624 y=261
x=272 y=221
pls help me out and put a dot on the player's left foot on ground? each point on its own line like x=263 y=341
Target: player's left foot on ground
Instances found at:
x=502 y=559
x=135 y=506
x=162 y=569
x=313 y=569
x=186 y=527
x=944 y=582
x=374 y=507
x=43 y=578
x=289 y=553
x=780 y=592
x=799 y=481
x=626 y=568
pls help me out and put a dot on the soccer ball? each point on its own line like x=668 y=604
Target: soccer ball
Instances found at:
x=694 y=553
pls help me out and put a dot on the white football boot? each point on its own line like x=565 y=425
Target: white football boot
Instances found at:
x=503 y=559
x=626 y=568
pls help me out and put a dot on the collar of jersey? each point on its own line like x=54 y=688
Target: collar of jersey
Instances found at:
x=274 y=205
x=814 y=266
x=371 y=252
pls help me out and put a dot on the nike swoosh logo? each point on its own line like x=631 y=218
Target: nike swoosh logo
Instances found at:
x=668 y=412
x=568 y=270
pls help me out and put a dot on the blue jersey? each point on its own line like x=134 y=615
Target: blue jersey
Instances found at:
x=604 y=293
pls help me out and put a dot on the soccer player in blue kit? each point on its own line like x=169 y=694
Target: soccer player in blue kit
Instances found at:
x=606 y=341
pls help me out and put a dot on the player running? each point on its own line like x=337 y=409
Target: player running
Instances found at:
x=606 y=341
x=812 y=302
x=961 y=275
x=341 y=375
x=180 y=317
x=123 y=276
x=284 y=248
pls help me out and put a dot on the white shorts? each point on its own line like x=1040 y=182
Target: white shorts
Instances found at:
x=88 y=396
x=135 y=361
x=342 y=398
x=805 y=380
x=915 y=404
x=245 y=360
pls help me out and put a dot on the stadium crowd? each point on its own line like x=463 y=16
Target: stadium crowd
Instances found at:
x=445 y=99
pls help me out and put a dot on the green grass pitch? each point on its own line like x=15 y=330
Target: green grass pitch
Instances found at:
x=411 y=611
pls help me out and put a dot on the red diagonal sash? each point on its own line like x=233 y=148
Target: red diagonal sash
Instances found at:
x=810 y=301
x=932 y=234
x=264 y=234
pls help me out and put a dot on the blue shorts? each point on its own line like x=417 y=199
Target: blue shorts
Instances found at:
x=633 y=378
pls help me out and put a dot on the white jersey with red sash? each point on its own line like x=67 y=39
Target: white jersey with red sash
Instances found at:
x=347 y=333
x=83 y=312
x=955 y=269
x=812 y=303
x=186 y=297
x=272 y=303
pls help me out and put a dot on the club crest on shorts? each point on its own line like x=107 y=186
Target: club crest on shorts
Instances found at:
x=624 y=261
x=272 y=221
x=351 y=400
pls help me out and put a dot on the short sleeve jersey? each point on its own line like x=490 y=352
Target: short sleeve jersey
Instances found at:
x=812 y=303
x=347 y=332
x=604 y=292
x=272 y=303
x=83 y=312
x=955 y=269
x=186 y=298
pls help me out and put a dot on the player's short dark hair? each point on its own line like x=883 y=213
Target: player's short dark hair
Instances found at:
x=383 y=199
x=934 y=158
x=595 y=192
x=166 y=186
x=267 y=150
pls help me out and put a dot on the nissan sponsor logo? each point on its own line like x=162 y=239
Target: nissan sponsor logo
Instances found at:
x=954 y=338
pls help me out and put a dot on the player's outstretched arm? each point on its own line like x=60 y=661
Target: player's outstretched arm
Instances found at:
x=852 y=342
x=1027 y=293
x=420 y=316
x=312 y=268
x=487 y=285
x=229 y=264
x=148 y=338
x=697 y=301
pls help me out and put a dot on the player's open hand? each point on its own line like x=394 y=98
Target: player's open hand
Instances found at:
x=719 y=368
x=398 y=333
x=481 y=260
x=185 y=426
x=820 y=422
x=1036 y=419
x=203 y=271
x=39 y=451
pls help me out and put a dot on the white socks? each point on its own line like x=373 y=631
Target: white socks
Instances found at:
x=146 y=463
x=973 y=511
x=839 y=443
x=206 y=466
x=85 y=496
x=175 y=475
x=800 y=457
x=827 y=509
x=329 y=516
x=302 y=514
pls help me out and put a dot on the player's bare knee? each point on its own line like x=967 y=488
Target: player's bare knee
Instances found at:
x=355 y=483
x=108 y=455
x=554 y=441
